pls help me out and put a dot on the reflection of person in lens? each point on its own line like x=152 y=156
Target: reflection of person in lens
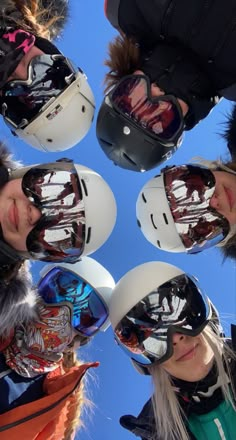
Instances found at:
x=192 y=365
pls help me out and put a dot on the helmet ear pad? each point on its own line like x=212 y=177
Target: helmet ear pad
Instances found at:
x=126 y=144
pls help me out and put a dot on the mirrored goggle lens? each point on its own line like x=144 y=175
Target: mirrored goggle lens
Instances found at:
x=189 y=190
x=89 y=311
x=22 y=100
x=176 y=306
x=160 y=116
x=55 y=190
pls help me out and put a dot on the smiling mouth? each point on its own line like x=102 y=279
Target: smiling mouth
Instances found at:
x=188 y=354
x=13 y=215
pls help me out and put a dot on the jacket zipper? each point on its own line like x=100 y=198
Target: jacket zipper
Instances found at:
x=220 y=429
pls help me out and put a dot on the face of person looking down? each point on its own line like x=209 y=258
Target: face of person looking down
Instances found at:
x=18 y=215
x=224 y=197
x=192 y=358
x=156 y=91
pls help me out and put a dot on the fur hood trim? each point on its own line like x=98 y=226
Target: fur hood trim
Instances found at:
x=18 y=300
x=6 y=158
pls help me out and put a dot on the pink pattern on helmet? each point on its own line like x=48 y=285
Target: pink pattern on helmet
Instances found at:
x=28 y=42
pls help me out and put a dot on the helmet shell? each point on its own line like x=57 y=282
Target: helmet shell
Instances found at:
x=64 y=122
x=100 y=208
x=127 y=145
x=155 y=218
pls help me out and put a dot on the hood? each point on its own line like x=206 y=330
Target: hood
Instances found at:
x=17 y=300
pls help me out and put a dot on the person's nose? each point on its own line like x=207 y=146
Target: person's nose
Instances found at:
x=34 y=214
x=214 y=202
x=156 y=91
x=177 y=337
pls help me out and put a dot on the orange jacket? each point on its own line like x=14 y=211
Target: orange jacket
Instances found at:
x=45 y=418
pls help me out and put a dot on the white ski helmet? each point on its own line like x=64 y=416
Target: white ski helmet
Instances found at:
x=136 y=284
x=94 y=274
x=155 y=218
x=100 y=208
x=174 y=211
x=67 y=114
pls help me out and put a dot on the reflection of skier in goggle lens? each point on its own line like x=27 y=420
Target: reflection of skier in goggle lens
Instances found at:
x=55 y=95
x=174 y=212
x=162 y=300
x=78 y=212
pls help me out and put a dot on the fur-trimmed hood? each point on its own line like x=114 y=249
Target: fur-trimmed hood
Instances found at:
x=17 y=300
x=230 y=132
x=55 y=8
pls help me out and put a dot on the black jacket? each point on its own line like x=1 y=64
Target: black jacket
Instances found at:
x=144 y=426
x=206 y=27
x=186 y=47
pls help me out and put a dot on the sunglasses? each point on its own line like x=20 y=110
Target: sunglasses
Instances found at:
x=189 y=190
x=89 y=311
x=160 y=116
x=177 y=306
x=22 y=100
x=55 y=190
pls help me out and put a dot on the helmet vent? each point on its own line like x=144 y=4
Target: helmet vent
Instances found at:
x=155 y=227
x=83 y=109
x=165 y=218
x=88 y=234
x=84 y=187
x=129 y=160
x=144 y=199
x=158 y=243
x=108 y=144
x=138 y=223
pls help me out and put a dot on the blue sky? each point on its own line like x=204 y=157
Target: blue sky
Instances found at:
x=115 y=387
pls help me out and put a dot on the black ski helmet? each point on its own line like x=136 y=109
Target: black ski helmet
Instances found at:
x=128 y=145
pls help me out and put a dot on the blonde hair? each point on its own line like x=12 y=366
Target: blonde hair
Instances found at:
x=36 y=19
x=77 y=401
x=169 y=417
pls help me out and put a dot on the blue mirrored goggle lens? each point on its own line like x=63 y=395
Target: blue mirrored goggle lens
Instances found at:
x=89 y=311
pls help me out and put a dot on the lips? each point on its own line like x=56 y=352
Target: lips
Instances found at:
x=187 y=354
x=230 y=197
x=13 y=215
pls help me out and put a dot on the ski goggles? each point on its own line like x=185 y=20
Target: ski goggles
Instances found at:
x=59 y=234
x=160 y=116
x=189 y=190
x=177 y=306
x=22 y=100
x=62 y=286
